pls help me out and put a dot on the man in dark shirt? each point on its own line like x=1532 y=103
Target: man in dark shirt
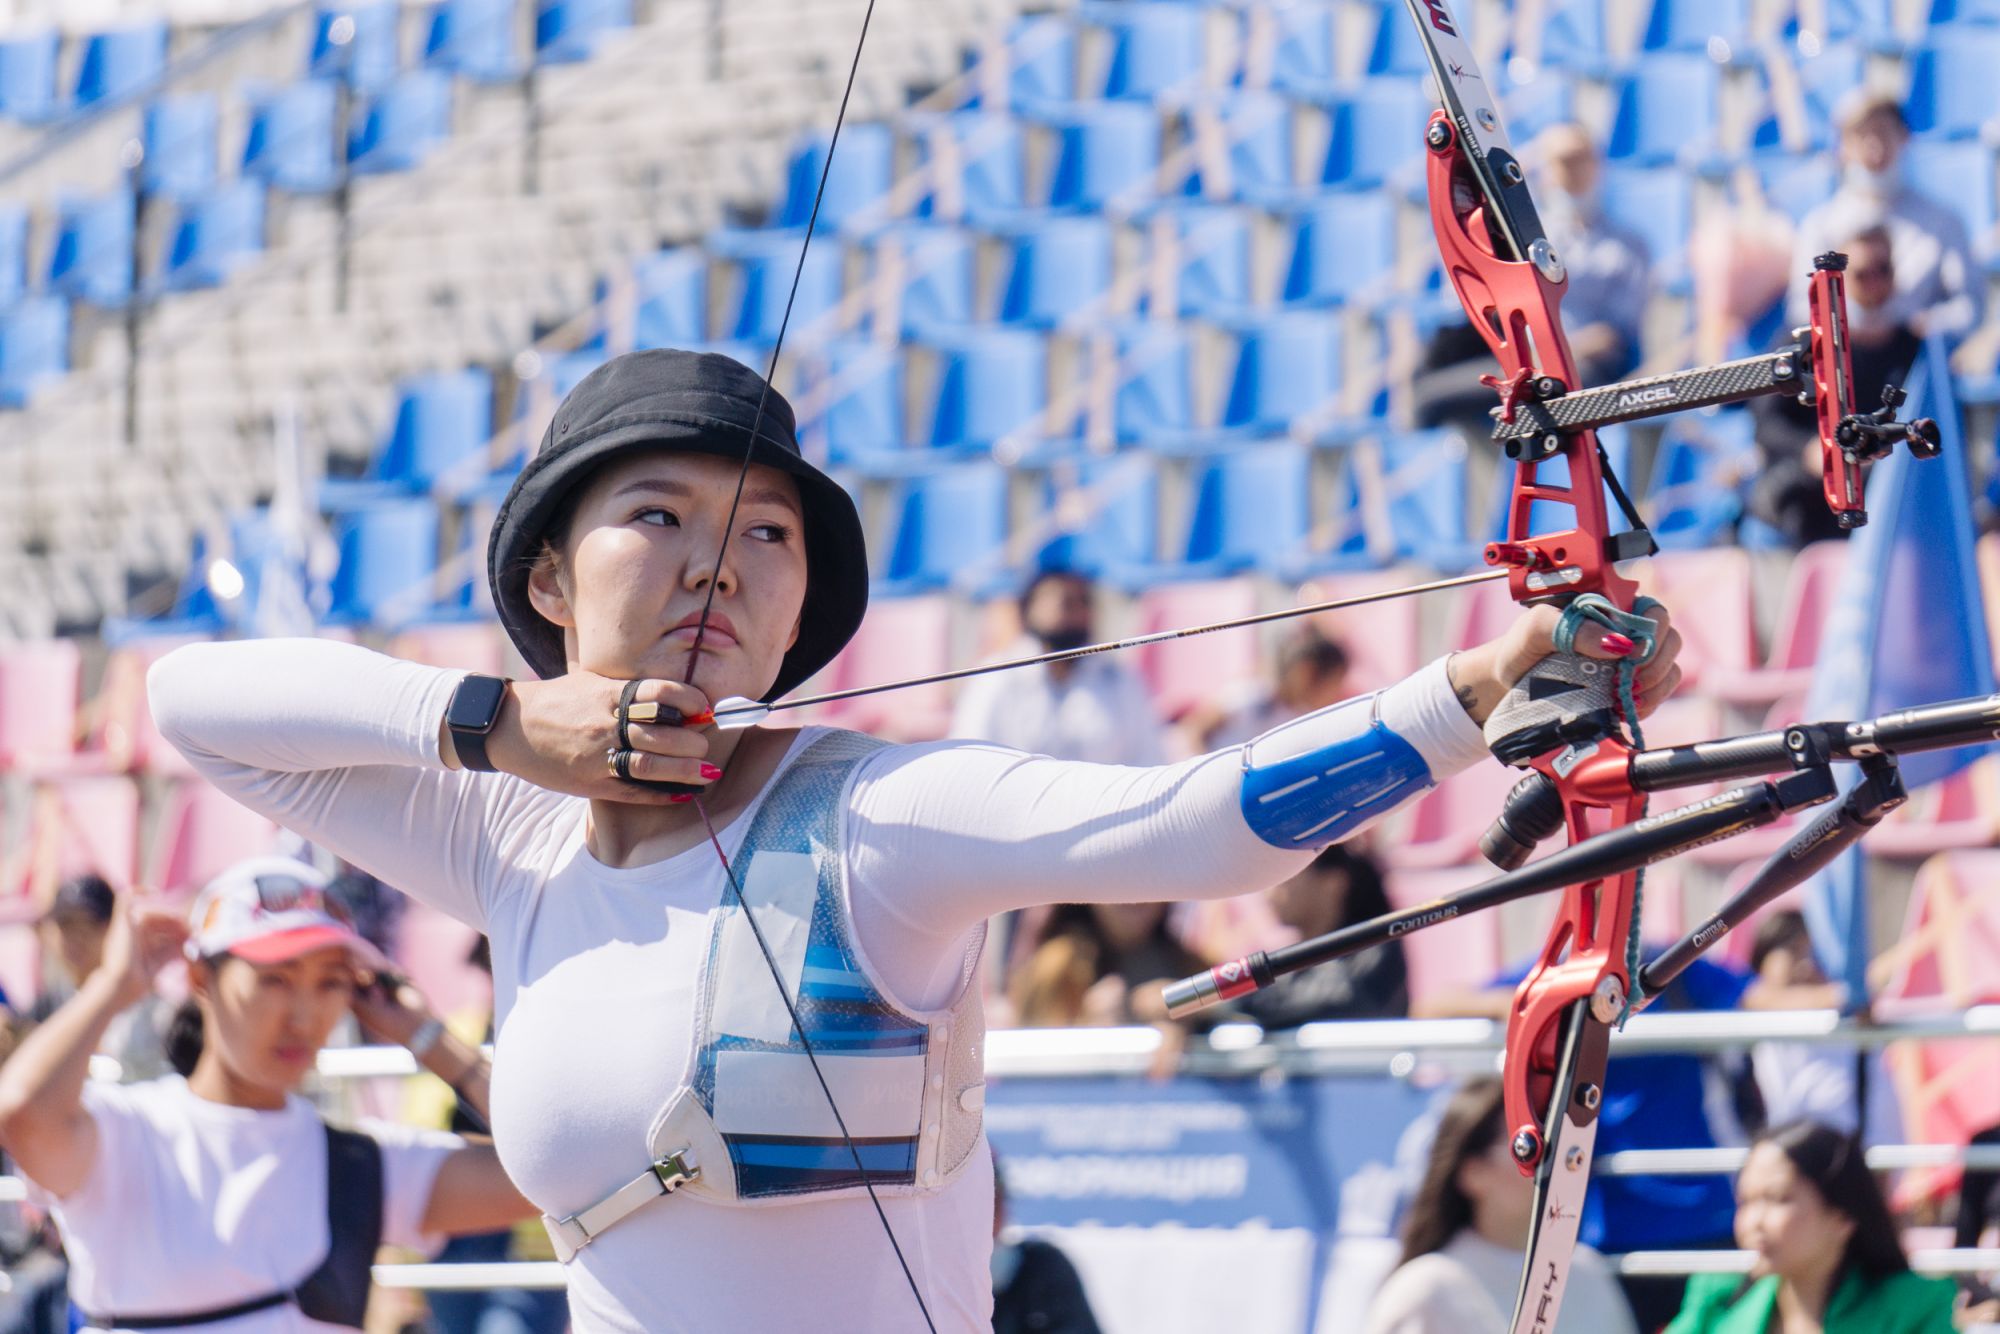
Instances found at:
x=1787 y=493
x=1035 y=1287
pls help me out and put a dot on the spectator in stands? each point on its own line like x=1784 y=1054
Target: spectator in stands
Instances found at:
x=1340 y=888
x=1828 y=1255
x=204 y=1196
x=1603 y=312
x=1665 y=1101
x=1035 y=1287
x=1094 y=708
x=1100 y=963
x=667 y=548
x=73 y=932
x=1802 y=1081
x=1310 y=673
x=1883 y=345
x=1938 y=288
x=1466 y=1231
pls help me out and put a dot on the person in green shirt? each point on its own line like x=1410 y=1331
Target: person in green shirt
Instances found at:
x=1829 y=1260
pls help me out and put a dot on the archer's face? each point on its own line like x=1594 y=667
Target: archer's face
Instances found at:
x=630 y=584
x=267 y=1022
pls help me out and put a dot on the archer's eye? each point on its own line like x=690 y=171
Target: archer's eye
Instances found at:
x=658 y=517
x=775 y=533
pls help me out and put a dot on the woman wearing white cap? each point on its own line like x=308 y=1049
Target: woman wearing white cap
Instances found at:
x=664 y=1032
x=217 y=1195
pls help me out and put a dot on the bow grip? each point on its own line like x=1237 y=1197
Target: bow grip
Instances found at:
x=1566 y=697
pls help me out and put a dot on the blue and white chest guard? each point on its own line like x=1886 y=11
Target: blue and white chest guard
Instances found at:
x=751 y=1125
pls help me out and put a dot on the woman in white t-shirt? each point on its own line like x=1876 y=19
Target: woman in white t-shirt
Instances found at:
x=1466 y=1231
x=739 y=1049
x=217 y=1196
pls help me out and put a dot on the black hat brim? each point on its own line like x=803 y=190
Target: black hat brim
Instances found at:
x=836 y=553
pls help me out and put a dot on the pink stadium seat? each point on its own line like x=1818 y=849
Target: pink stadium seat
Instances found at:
x=1708 y=593
x=202 y=833
x=1381 y=638
x=1946 y=959
x=1962 y=811
x=39 y=688
x=902 y=637
x=1480 y=613
x=474 y=645
x=1442 y=828
x=75 y=824
x=1460 y=955
x=432 y=950
x=1809 y=591
x=1187 y=672
x=121 y=736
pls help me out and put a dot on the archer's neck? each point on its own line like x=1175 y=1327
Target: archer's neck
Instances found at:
x=623 y=835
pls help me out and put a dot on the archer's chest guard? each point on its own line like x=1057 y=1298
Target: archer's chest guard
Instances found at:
x=752 y=1125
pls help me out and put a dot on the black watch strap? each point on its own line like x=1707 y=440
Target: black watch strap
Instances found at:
x=475 y=707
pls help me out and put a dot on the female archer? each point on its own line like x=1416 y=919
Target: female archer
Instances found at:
x=739 y=1037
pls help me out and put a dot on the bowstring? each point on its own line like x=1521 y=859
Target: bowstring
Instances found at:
x=694 y=657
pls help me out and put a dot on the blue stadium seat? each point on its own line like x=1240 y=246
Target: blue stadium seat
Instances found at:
x=1658 y=204
x=120 y=61
x=1951 y=81
x=92 y=257
x=1251 y=508
x=1257 y=126
x=1041 y=56
x=763 y=262
x=475 y=38
x=28 y=77
x=291 y=138
x=1795 y=184
x=1964 y=12
x=13 y=253
x=982 y=155
x=569 y=30
x=1371 y=138
x=1105 y=151
x=1287 y=366
x=1690 y=25
x=403 y=123
x=1398 y=51
x=1058 y=267
x=1870 y=21
x=1424 y=475
x=1211 y=246
x=215 y=235
x=1106 y=513
x=863 y=388
x=1824 y=79
x=990 y=383
x=1343 y=249
x=936 y=269
x=1958 y=174
x=34 y=346
x=1156 y=47
x=1665 y=110
x=1303 y=51
x=1153 y=397
x=388 y=557
x=181 y=147
x=1548 y=98
x=671 y=298
x=951 y=529
x=358 y=41
x=443 y=421
x=1693 y=500
x=863 y=168
x=1573 y=35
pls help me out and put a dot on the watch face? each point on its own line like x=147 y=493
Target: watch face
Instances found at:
x=476 y=703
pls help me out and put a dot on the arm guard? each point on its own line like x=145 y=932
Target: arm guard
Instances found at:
x=1321 y=778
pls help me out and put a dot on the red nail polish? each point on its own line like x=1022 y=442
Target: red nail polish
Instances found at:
x=1619 y=644
x=681 y=798
x=710 y=772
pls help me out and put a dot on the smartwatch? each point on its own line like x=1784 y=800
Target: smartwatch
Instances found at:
x=475 y=706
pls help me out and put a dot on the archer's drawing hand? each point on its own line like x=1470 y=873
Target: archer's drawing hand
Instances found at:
x=557 y=733
x=1483 y=675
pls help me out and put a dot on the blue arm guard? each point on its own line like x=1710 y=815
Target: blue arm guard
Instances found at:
x=1317 y=779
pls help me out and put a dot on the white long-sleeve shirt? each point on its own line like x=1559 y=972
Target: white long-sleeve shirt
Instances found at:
x=594 y=965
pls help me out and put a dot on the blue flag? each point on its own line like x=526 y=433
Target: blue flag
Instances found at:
x=1907 y=627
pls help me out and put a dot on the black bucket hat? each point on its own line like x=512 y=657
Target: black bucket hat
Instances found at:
x=698 y=402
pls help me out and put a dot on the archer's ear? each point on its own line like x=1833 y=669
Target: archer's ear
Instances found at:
x=546 y=595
